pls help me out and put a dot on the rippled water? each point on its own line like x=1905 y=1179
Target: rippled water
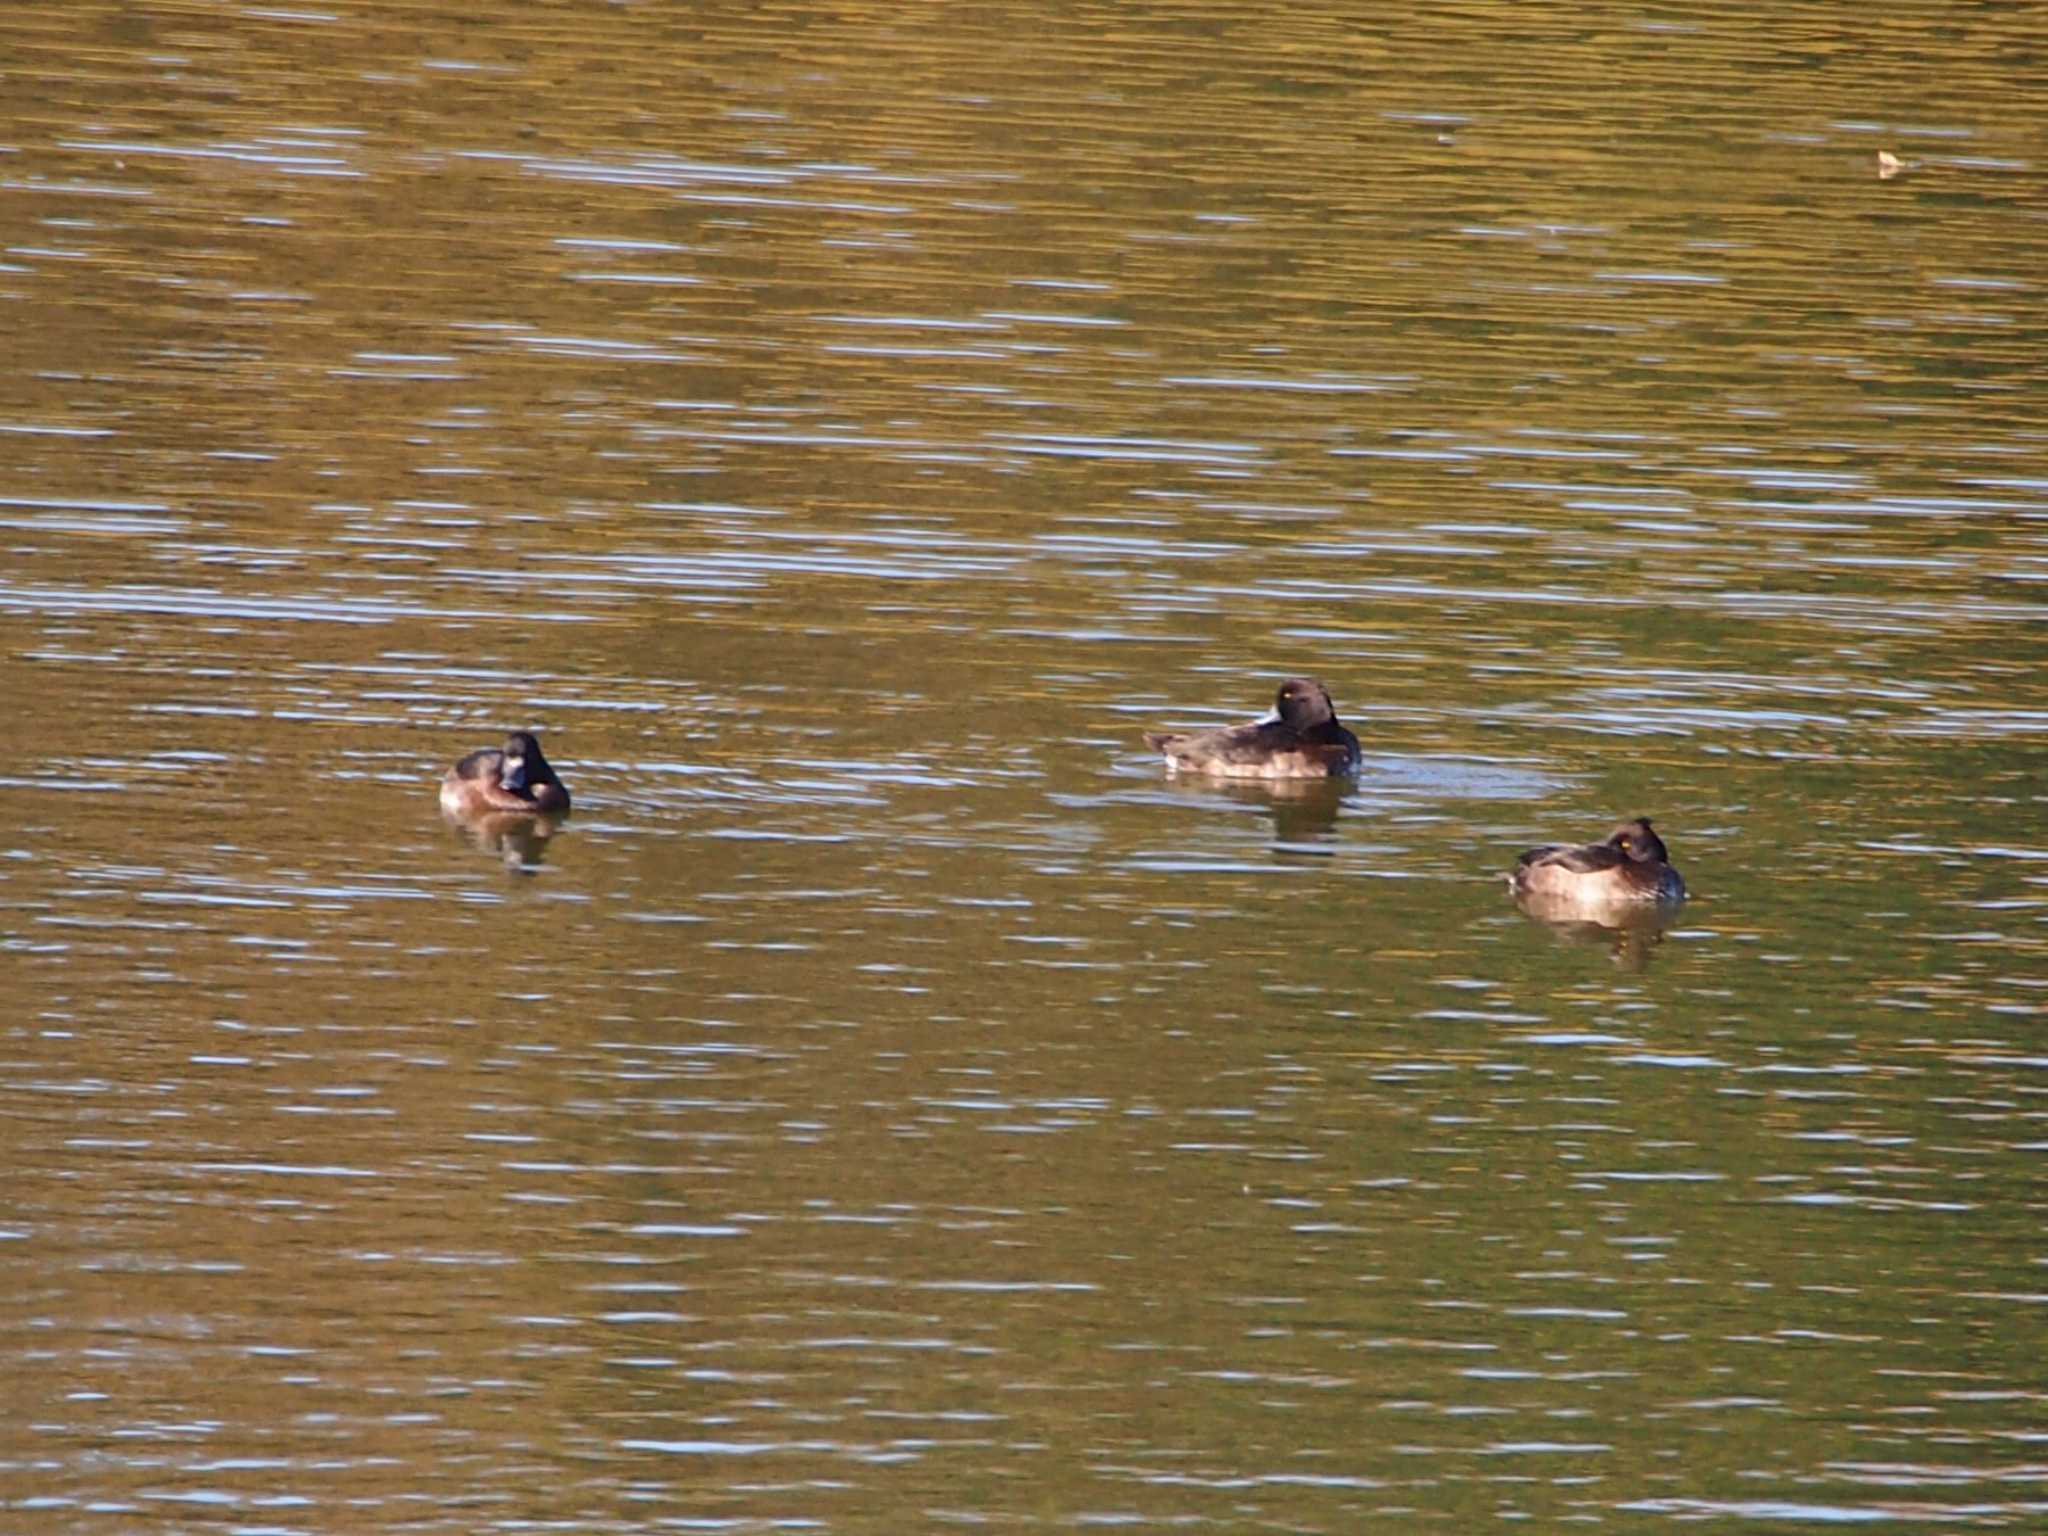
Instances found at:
x=888 y=1102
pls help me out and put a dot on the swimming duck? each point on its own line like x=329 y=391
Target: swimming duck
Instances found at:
x=514 y=779
x=1631 y=868
x=1300 y=739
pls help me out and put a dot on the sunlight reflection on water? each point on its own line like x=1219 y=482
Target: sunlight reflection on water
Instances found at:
x=840 y=440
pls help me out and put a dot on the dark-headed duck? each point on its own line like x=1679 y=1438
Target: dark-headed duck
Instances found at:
x=1630 y=868
x=514 y=779
x=1300 y=739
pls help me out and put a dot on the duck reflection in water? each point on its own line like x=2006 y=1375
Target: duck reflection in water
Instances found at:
x=1303 y=811
x=1629 y=938
x=1622 y=891
x=519 y=840
x=506 y=800
x=1300 y=739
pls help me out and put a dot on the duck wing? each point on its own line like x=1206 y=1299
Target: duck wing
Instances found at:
x=1586 y=859
x=484 y=763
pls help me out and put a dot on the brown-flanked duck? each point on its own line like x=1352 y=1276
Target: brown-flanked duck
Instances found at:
x=1300 y=739
x=1631 y=868
x=514 y=779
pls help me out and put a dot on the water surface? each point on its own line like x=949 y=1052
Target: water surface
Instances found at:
x=888 y=1102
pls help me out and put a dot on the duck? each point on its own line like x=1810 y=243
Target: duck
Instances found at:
x=1299 y=739
x=514 y=779
x=1631 y=868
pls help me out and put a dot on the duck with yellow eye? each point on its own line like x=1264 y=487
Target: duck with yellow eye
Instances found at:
x=1629 y=871
x=1299 y=739
x=512 y=780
